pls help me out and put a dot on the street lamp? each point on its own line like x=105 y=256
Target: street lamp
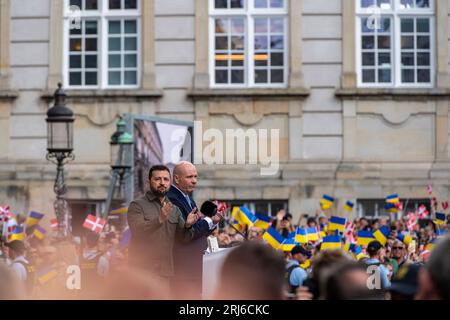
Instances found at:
x=121 y=149
x=59 y=151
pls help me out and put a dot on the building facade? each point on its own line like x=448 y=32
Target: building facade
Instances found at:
x=358 y=89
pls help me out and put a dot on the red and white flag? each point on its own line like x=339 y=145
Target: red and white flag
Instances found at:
x=54 y=224
x=423 y=212
x=349 y=232
x=94 y=224
x=430 y=189
x=5 y=214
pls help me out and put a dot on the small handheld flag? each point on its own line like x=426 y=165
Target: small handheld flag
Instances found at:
x=382 y=234
x=262 y=221
x=337 y=223
x=406 y=239
x=364 y=237
x=301 y=235
x=331 y=242
x=349 y=206
x=272 y=237
x=39 y=232
x=440 y=218
x=17 y=234
x=326 y=202
x=33 y=218
x=94 y=224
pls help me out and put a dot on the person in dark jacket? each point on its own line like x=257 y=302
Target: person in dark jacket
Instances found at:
x=187 y=283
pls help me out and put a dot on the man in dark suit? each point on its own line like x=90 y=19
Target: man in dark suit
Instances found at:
x=187 y=283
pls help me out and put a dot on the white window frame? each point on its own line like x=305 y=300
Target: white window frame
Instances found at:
x=396 y=13
x=248 y=13
x=103 y=15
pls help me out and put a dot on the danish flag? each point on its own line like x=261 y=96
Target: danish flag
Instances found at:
x=94 y=224
x=5 y=213
x=423 y=212
x=349 y=232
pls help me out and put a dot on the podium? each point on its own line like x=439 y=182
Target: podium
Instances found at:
x=212 y=265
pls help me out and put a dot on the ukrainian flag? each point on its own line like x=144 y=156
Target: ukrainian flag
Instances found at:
x=390 y=207
x=393 y=198
x=405 y=238
x=273 y=238
x=331 y=242
x=357 y=252
x=326 y=202
x=440 y=233
x=364 y=238
x=440 y=218
x=239 y=227
x=245 y=216
x=312 y=234
x=288 y=244
x=382 y=234
x=292 y=235
x=46 y=275
x=17 y=234
x=337 y=223
x=119 y=211
x=262 y=221
x=301 y=235
x=349 y=206
x=33 y=218
x=39 y=232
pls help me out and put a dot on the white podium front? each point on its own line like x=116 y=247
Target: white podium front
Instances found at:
x=212 y=265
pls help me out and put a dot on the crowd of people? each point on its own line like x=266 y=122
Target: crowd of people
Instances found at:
x=159 y=255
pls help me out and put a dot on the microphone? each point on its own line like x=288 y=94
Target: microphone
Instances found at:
x=209 y=208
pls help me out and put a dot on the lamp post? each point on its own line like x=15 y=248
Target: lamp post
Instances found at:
x=121 y=148
x=59 y=151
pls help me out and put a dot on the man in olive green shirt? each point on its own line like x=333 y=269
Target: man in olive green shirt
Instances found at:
x=154 y=223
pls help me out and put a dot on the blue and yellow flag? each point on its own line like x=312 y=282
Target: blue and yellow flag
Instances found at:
x=382 y=234
x=262 y=221
x=331 y=242
x=440 y=218
x=357 y=252
x=393 y=198
x=33 y=218
x=272 y=237
x=405 y=238
x=245 y=216
x=312 y=234
x=240 y=227
x=301 y=235
x=119 y=211
x=288 y=244
x=337 y=223
x=326 y=202
x=46 y=274
x=440 y=233
x=17 y=234
x=39 y=232
x=348 y=206
x=391 y=208
x=364 y=238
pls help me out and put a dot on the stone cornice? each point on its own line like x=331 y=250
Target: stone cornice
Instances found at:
x=87 y=96
x=288 y=93
x=419 y=94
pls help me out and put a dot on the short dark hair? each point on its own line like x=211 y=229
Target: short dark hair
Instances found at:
x=158 y=167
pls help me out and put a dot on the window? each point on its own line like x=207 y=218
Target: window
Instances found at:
x=248 y=43
x=103 y=51
x=374 y=208
x=267 y=207
x=395 y=43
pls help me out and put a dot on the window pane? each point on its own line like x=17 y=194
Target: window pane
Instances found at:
x=91 y=5
x=405 y=4
x=368 y=59
x=91 y=44
x=368 y=76
x=90 y=78
x=237 y=26
x=260 y=42
x=114 y=27
x=237 y=76
x=260 y=76
x=423 y=25
x=237 y=60
x=221 y=43
x=423 y=75
x=423 y=3
x=262 y=59
x=90 y=61
x=130 y=77
x=423 y=42
x=384 y=75
x=75 y=61
x=221 y=76
x=276 y=3
x=114 y=44
x=384 y=59
x=276 y=25
x=261 y=3
x=75 y=3
x=221 y=60
x=90 y=27
x=407 y=75
x=237 y=43
x=114 y=78
x=276 y=42
x=114 y=4
x=384 y=4
x=277 y=59
x=75 y=44
x=407 y=59
x=423 y=59
x=407 y=42
x=368 y=42
x=221 y=26
x=367 y=3
x=130 y=44
x=261 y=25
x=276 y=76
x=384 y=42
x=114 y=61
x=130 y=60
x=75 y=78
x=130 y=26
x=131 y=4
x=407 y=25
x=385 y=25
x=220 y=4
x=236 y=4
